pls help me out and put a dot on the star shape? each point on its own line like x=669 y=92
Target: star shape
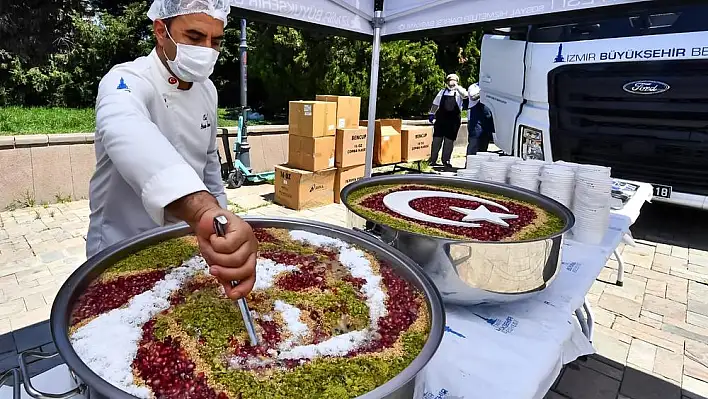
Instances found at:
x=485 y=215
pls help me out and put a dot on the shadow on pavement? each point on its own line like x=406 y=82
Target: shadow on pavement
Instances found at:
x=597 y=377
x=673 y=225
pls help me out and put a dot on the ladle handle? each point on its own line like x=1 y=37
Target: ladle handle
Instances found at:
x=220 y=224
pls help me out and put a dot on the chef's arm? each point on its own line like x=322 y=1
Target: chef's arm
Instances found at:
x=140 y=152
x=462 y=91
x=436 y=102
x=191 y=207
x=212 y=171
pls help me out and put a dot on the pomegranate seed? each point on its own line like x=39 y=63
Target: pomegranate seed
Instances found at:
x=102 y=297
x=440 y=207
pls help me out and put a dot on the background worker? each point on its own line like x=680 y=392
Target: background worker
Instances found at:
x=445 y=114
x=480 y=123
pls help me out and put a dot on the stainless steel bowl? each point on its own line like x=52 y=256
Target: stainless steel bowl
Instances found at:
x=91 y=385
x=473 y=272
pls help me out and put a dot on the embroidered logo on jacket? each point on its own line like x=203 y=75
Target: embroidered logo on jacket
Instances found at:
x=205 y=122
x=122 y=85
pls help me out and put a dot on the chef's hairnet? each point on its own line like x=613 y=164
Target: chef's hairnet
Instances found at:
x=452 y=76
x=163 y=9
x=474 y=90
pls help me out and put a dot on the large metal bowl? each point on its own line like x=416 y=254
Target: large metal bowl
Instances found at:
x=91 y=385
x=473 y=272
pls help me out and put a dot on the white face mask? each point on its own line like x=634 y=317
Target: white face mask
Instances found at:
x=192 y=63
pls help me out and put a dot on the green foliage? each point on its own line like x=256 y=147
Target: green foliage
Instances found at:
x=61 y=63
x=48 y=120
x=18 y=120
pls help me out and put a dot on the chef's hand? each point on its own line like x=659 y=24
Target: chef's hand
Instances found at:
x=431 y=118
x=232 y=257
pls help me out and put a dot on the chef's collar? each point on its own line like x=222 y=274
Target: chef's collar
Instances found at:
x=163 y=74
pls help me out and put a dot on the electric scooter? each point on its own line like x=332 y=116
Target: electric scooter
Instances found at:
x=239 y=171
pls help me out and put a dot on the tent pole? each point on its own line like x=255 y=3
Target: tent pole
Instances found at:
x=373 y=93
x=243 y=154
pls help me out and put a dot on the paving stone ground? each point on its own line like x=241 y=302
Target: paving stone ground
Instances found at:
x=651 y=335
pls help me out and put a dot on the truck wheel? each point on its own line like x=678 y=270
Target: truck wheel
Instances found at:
x=236 y=179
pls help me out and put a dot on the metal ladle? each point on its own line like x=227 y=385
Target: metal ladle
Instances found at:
x=220 y=223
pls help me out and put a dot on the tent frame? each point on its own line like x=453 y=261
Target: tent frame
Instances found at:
x=377 y=24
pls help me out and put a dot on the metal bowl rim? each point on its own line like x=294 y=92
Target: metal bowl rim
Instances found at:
x=542 y=201
x=60 y=312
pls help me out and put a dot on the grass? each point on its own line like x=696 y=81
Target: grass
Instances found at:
x=54 y=120
x=18 y=120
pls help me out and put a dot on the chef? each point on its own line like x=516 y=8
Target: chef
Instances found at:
x=156 y=151
x=480 y=123
x=445 y=115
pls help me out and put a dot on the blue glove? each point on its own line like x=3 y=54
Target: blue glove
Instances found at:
x=431 y=118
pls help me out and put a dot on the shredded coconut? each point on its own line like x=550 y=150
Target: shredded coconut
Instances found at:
x=266 y=272
x=335 y=346
x=109 y=343
x=358 y=265
x=291 y=316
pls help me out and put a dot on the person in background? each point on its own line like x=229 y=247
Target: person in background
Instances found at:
x=445 y=114
x=156 y=151
x=480 y=124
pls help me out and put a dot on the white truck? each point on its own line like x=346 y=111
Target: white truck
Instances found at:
x=628 y=90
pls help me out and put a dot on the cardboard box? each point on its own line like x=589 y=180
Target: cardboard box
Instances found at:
x=312 y=118
x=387 y=146
x=397 y=124
x=311 y=153
x=416 y=142
x=346 y=176
x=300 y=189
x=348 y=109
x=351 y=147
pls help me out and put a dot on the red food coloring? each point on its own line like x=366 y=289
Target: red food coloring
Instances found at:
x=102 y=297
x=167 y=370
x=263 y=236
x=440 y=207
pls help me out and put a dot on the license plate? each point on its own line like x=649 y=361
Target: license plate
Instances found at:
x=661 y=191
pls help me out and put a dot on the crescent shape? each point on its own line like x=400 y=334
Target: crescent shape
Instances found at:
x=399 y=202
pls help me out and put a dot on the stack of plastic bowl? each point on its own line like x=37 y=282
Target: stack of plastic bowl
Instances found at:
x=508 y=160
x=490 y=156
x=526 y=175
x=469 y=174
x=474 y=164
x=558 y=182
x=494 y=171
x=591 y=204
x=600 y=170
x=569 y=165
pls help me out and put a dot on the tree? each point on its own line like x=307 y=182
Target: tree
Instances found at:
x=34 y=29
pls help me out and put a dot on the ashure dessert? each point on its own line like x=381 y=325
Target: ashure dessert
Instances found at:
x=452 y=212
x=333 y=321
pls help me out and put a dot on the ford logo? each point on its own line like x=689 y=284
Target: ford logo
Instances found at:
x=646 y=87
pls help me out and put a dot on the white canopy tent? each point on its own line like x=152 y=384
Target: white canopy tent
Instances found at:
x=404 y=17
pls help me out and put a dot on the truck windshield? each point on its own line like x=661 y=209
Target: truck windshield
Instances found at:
x=649 y=22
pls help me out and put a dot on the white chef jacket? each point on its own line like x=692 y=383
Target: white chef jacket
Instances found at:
x=154 y=144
